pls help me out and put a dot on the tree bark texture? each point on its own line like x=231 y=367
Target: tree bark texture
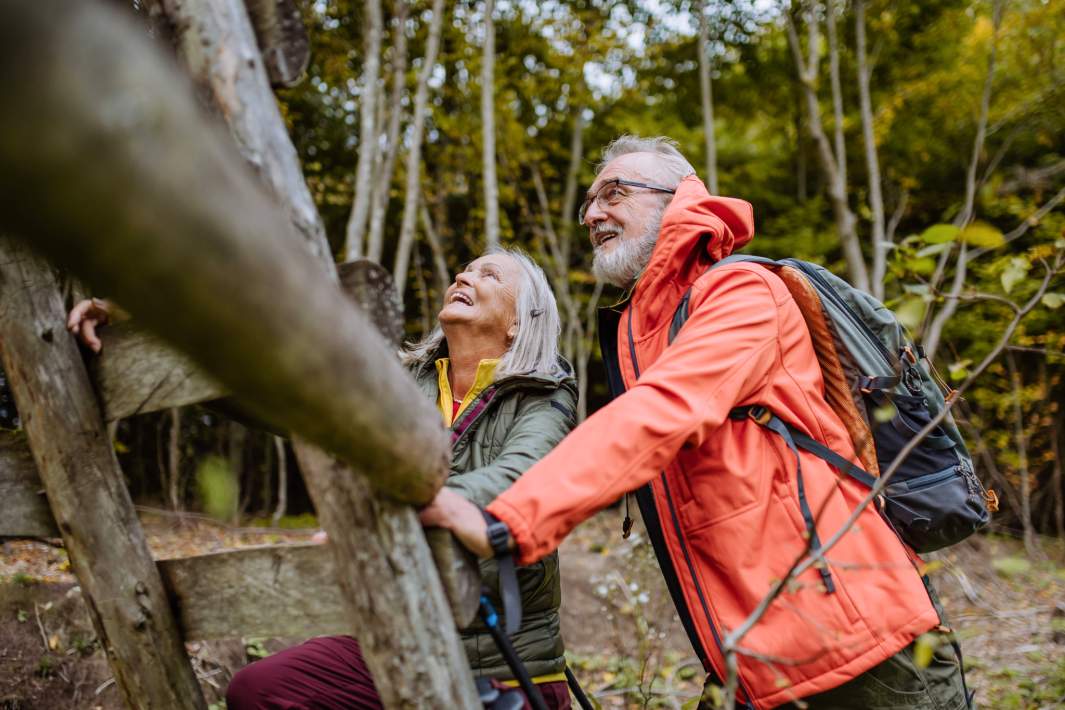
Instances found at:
x=98 y=202
x=364 y=168
x=705 y=90
x=282 y=38
x=88 y=496
x=488 y=128
x=395 y=602
x=413 y=188
x=216 y=40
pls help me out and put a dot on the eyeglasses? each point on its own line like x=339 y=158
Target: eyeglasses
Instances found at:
x=612 y=192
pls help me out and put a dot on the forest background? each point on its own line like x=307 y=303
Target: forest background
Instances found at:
x=915 y=148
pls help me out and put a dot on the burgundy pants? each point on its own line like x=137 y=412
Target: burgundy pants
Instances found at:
x=326 y=673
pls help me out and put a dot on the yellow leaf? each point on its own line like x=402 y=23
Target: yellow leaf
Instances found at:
x=923 y=648
x=982 y=234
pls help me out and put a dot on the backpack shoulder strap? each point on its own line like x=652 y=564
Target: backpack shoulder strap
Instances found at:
x=680 y=316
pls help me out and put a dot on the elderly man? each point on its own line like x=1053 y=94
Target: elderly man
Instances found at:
x=720 y=497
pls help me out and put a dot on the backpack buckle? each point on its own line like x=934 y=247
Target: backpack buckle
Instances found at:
x=759 y=414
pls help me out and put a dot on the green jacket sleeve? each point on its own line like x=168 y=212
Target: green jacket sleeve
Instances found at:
x=541 y=422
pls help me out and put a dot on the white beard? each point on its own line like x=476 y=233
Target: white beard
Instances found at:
x=621 y=265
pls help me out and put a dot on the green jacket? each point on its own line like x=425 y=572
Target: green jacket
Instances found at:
x=524 y=418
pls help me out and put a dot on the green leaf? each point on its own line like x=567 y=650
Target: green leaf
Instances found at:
x=1053 y=301
x=217 y=487
x=1014 y=273
x=923 y=648
x=934 y=249
x=1011 y=566
x=940 y=234
x=959 y=370
x=982 y=234
x=885 y=413
x=923 y=266
x=911 y=312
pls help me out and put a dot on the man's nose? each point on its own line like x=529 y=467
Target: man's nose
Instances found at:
x=593 y=214
x=462 y=278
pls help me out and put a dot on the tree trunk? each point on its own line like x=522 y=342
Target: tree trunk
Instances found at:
x=282 y=481
x=934 y=333
x=1020 y=437
x=705 y=88
x=488 y=128
x=282 y=39
x=76 y=462
x=173 y=463
x=846 y=222
x=872 y=163
x=1056 y=479
x=839 y=140
x=97 y=201
x=217 y=43
x=443 y=277
x=413 y=189
x=383 y=181
x=363 y=187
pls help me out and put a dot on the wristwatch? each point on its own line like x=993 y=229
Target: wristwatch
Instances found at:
x=498 y=535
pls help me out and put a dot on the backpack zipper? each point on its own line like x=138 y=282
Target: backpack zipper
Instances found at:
x=839 y=302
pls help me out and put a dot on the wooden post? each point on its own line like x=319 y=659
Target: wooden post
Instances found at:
x=86 y=490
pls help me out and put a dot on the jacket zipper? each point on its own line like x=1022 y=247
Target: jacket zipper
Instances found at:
x=680 y=540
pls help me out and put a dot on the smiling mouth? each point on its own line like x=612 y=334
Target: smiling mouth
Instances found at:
x=460 y=297
x=603 y=234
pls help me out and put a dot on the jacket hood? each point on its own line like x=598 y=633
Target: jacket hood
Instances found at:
x=697 y=230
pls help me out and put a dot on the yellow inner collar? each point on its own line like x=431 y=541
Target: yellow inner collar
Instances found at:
x=486 y=370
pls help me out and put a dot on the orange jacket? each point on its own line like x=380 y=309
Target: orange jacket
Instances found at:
x=719 y=496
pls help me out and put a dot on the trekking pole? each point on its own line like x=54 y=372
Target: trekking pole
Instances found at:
x=491 y=620
x=578 y=691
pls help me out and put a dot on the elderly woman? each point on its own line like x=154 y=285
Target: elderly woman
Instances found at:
x=493 y=369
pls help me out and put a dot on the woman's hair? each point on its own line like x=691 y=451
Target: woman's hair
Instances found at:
x=535 y=346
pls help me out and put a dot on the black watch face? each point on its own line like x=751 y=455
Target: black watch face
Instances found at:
x=498 y=536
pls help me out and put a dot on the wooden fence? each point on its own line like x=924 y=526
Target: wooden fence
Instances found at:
x=110 y=168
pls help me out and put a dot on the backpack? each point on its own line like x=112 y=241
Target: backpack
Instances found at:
x=880 y=384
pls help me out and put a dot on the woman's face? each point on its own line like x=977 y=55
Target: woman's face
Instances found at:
x=484 y=297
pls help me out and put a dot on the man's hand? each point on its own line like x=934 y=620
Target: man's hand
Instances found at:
x=85 y=317
x=451 y=511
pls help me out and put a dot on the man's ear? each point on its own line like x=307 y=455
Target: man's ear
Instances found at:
x=512 y=332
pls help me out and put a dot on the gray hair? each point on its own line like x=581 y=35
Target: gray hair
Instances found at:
x=673 y=166
x=535 y=346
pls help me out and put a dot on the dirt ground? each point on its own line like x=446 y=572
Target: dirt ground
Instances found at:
x=622 y=636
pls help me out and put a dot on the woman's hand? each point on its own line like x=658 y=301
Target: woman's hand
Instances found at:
x=451 y=511
x=85 y=317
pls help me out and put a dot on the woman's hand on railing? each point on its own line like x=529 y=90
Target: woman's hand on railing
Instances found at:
x=85 y=317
